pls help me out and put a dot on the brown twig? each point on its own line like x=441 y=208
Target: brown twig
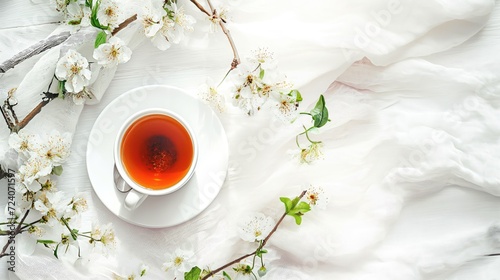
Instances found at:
x=37 y=48
x=124 y=24
x=264 y=242
x=236 y=58
x=222 y=23
x=18 y=126
x=199 y=6
x=12 y=236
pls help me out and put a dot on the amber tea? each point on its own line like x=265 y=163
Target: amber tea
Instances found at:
x=156 y=151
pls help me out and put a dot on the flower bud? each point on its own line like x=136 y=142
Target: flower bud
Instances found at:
x=262 y=271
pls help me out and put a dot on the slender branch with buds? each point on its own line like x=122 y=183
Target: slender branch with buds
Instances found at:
x=264 y=242
x=236 y=58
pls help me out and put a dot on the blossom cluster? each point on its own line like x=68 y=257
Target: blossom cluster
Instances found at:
x=258 y=82
x=165 y=23
x=39 y=158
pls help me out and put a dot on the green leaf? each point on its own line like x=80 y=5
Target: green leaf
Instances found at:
x=294 y=202
x=193 y=274
x=298 y=219
x=298 y=211
x=226 y=276
x=288 y=203
x=320 y=113
x=260 y=252
x=88 y=3
x=100 y=39
x=261 y=73
x=57 y=170
x=55 y=251
x=303 y=207
x=44 y=241
x=298 y=96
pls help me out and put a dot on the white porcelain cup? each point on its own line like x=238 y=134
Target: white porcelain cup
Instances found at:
x=139 y=189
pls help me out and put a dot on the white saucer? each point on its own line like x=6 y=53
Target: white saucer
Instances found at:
x=191 y=199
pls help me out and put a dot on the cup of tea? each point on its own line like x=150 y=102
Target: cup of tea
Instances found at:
x=155 y=154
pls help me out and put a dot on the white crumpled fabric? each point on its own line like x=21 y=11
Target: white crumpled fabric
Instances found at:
x=410 y=155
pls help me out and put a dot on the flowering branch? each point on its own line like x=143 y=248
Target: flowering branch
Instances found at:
x=236 y=59
x=292 y=208
x=222 y=24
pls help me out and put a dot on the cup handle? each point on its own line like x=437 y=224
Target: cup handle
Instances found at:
x=134 y=199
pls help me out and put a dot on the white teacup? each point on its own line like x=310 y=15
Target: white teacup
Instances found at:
x=155 y=154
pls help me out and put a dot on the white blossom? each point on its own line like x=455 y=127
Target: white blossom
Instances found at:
x=51 y=205
x=316 y=197
x=67 y=243
x=247 y=91
x=112 y=53
x=82 y=96
x=109 y=13
x=34 y=168
x=210 y=94
x=56 y=148
x=77 y=14
x=258 y=81
x=78 y=204
x=175 y=24
x=73 y=68
x=264 y=58
x=177 y=263
x=152 y=18
x=160 y=39
x=182 y=21
x=24 y=143
x=104 y=235
x=215 y=20
x=311 y=153
x=255 y=227
x=285 y=106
